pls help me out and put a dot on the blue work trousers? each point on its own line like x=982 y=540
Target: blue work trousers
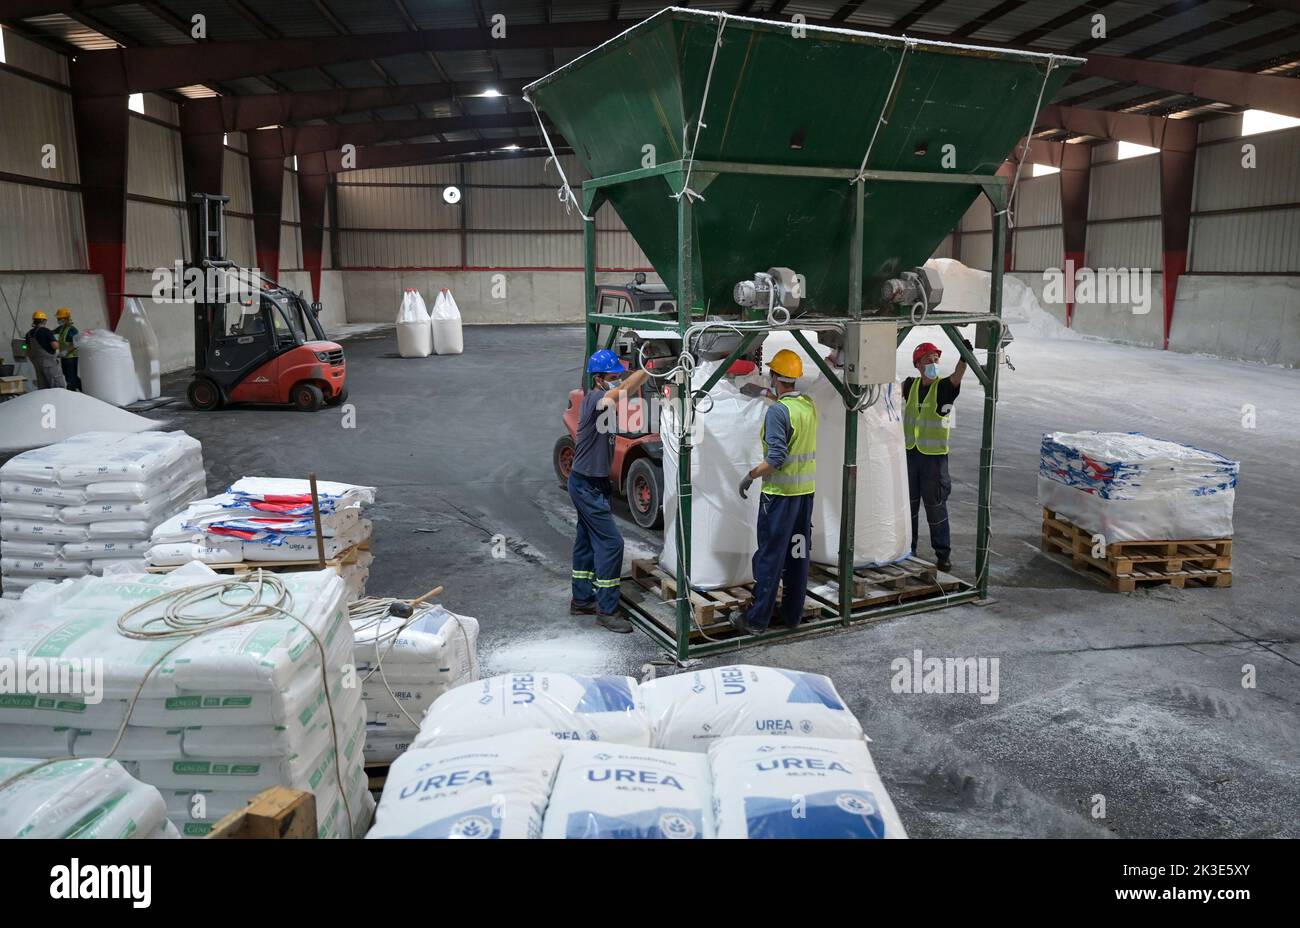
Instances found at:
x=598 y=546
x=783 y=557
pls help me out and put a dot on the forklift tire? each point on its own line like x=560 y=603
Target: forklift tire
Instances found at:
x=307 y=397
x=203 y=394
x=338 y=398
x=645 y=492
x=562 y=458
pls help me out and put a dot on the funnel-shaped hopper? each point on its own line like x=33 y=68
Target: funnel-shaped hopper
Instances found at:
x=806 y=97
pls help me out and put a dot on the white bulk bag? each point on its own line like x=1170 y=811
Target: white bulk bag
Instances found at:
x=414 y=337
x=447 y=336
x=570 y=707
x=136 y=328
x=882 y=520
x=107 y=367
x=725 y=445
x=799 y=788
x=489 y=788
x=603 y=791
x=689 y=711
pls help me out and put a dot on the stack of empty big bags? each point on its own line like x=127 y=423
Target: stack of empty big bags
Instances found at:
x=405 y=665
x=75 y=507
x=1127 y=486
x=269 y=520
x=731 y=752
x=210 y=716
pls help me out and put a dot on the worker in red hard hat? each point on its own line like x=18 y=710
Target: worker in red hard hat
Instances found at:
x=927 y=425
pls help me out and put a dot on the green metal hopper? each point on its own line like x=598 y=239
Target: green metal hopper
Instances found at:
x=806 y=105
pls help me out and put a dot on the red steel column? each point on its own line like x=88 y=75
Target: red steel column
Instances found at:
x=1076 y=168
x=103 y=128
x=313 y=176
x=1177 y=174
x=266 y=183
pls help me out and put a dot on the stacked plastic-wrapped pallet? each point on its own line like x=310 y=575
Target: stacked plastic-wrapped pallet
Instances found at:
x=1130 y=487
x=269 y=520
x=72 y=508
x=83 y=798
x=404 y=665
x=209 y=713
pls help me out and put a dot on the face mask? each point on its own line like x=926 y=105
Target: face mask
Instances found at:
x=931 y=371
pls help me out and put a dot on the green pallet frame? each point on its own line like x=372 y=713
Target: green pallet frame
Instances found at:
x=675 y=173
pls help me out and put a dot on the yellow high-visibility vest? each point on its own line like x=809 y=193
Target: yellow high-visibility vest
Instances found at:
x=798 y=475
x=924 y=428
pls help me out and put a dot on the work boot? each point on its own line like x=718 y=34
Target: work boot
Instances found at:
x=614 y=622
x=577 y=608
x=943 y=562
x=740 y=624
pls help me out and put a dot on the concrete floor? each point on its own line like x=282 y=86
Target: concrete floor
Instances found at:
x=1137 y=698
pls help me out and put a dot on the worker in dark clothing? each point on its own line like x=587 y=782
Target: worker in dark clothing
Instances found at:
x=66 y=334
x=788 y=472
x=598 y=545
x=43 y=352
x=927 y=424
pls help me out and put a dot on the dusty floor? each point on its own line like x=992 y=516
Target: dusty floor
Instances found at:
x=1135 y=698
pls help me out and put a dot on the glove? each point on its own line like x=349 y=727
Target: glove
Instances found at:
x=966 y=342
x=745 y=485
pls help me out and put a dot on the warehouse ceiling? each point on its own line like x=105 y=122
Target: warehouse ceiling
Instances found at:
x=1260 y=37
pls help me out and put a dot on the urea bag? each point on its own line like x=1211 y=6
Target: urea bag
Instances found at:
x=799 y=788
x=437 y=646
x=610 y=791
x=488 y=788
x=569 y=706
x=688 y=711
x=90 y=798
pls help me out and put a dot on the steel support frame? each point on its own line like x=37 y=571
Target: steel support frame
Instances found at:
x=995 y=188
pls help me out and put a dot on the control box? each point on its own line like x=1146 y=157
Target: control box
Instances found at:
x=870 y=351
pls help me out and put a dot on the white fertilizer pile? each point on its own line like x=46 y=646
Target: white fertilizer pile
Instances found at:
x=44 y=417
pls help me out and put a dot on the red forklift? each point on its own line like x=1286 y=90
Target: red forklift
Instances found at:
x=262 y=345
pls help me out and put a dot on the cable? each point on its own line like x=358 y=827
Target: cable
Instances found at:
x=1015 y=181
x=699 y=120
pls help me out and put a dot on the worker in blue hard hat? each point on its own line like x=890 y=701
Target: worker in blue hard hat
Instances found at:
x=598 y=545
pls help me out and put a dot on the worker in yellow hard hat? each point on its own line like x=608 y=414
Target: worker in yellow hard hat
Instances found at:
x=66 y=334
x=43 y=352
x=788 y=471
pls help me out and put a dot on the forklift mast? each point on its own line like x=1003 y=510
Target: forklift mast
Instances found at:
x=210 y=240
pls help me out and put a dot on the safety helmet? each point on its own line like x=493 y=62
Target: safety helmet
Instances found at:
x=604 y=361
x=787 y=364
x=39 y=316
x=63 y=313
x=923 y=349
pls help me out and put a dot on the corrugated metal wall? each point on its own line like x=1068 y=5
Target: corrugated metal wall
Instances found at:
x=41 y=229
x=1267 y=238
x=508 y=217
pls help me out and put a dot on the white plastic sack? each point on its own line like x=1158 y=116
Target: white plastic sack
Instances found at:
x=607 y=791
x=883 y=518
x=414 y=334
x=107 y=368
x=135 y=327
x=724 y=447
x=800 y=788
x=1131 y=487
x=570 y=707
x=437 y=646
x=488 y=788
x=91 y=798
x=689 y=711
x=445 y=317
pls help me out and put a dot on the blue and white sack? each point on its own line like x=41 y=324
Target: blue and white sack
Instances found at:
x=689 y=711
x=610 y=791
x=799 y=788
x=490 y=788
x=569 y=706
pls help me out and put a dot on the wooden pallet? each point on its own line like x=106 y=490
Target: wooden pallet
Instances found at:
x=345 y=559
x=377 y=774
x=712 y=609
x=912 y=578
x=278 y=812
x=1128 y=564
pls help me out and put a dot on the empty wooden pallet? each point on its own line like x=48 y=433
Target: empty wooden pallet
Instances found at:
x=1122 y=566
x=912 y=578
